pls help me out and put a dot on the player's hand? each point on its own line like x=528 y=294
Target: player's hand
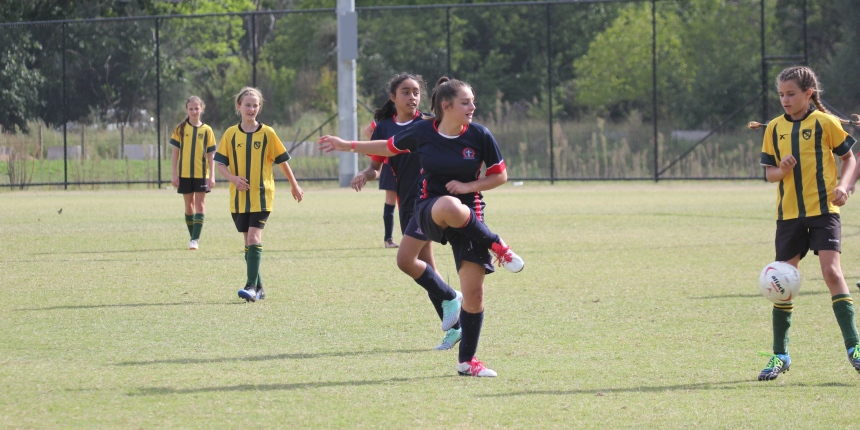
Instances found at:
x=457 y=187
x=850 y=188
x=359 y=181
x=840 y=196
x=787 y=164
x=297 y=192
x=211 y=182
x=332 y=143
x=175 y=181
x=240 y=183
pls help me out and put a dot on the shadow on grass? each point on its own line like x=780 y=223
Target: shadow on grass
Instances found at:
x=756 y=295
x=296 y=356
x=702 y=386
x=128 y=305
x=155 y=391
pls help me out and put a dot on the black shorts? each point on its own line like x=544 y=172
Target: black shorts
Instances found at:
x=409 y=226
x=189 y=185
x=424 y=217
x=387 y=180
x=465 y=249
x=797 y=236
x=251 y=219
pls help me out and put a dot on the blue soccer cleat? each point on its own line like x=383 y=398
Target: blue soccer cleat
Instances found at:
x=777 y=364
x=854 y=357
x=451 y=338
x=451 y=311
x=249 y=293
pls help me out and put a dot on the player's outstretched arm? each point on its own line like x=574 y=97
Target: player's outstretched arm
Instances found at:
x=295 y=189
x=375 y=147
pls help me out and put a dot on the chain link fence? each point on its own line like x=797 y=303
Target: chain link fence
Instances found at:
x=572 y=90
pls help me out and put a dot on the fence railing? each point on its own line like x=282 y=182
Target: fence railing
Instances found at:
x=572 y=90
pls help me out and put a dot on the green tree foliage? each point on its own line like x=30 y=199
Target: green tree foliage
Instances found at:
x=19 y=81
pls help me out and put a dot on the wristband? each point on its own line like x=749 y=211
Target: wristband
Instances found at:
x=352 y=148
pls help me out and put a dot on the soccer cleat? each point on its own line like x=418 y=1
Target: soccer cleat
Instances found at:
x=451 y=311
x=451 y=338
x=193 y=245
x=506 y=258
x=389 y=243
x=776 y=365
x=475 y=368
x=261 y=294
x=249 y=293
x=854 y=357
x=858 y=284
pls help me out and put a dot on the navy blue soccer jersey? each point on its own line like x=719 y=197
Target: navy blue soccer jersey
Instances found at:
x=406 y=167
x=450 y=158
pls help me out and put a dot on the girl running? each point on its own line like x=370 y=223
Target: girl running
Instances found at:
x=193 y=171
x=798 y=152
x=245 y=156
x=387 y=182
x=450 y=206
x=415 y=256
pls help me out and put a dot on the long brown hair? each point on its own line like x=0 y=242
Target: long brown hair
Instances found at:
x=805 y=79
x=181 y=126
x=446 y=90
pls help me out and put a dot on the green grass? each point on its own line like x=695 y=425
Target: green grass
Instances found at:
x=638 y=307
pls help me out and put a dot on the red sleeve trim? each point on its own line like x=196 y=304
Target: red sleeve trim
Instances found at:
x=496 y=168
x=373 y=125
x=378 y=158
x=393 y=148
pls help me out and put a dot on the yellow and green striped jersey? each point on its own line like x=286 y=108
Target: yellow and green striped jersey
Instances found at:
x=193 y=143
x=813 y=140
x=251 y=155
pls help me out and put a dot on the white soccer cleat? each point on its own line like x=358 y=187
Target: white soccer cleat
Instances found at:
x=193 y=245
x=451 y=311
x=507 y=258
x=475 y=368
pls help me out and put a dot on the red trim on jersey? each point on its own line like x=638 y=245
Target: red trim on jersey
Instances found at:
x=393 y=148
x=423 y=189
x=478 y=207
x=462 y=132
x=378 y=158
x=373 y=125
x=413 y=118
x=496 y=168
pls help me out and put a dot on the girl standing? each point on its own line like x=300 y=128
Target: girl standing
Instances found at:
x=245 y=156
x=193 y=171
x=798 y=152
x=415 y=256
x=450 y=206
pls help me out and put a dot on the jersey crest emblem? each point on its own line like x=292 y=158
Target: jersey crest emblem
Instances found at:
x=468 y=154
x=257 y=145
x=807 y=134
x=200 y=136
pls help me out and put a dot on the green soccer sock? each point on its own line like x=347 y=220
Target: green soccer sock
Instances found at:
x=259 y=277
x=843 y=308
x=198 y=226
x=189 y=222
x=781 y=324
x=253 y=257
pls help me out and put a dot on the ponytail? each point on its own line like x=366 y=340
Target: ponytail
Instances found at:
x=806 y=79
x=446 y=90
x=386 y=111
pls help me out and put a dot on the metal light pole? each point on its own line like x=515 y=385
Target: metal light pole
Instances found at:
x=347 y=53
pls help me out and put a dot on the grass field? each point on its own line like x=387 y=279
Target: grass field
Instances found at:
x=638 y=307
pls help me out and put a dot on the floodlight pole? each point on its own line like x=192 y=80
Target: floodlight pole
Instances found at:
x=347 y=53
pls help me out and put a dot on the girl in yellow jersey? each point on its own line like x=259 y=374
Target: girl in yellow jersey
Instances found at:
x=798 y=153
x=193 y=171
x=245 y=156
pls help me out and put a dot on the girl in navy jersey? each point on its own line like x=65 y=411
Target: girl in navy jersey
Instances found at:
x=415 y=256
x=450 y=206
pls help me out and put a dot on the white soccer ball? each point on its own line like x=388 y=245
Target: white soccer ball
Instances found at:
x=779 y=282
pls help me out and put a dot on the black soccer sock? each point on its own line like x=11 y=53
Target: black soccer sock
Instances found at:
x=781 y=324
x=843 y=307
x=198 y=226
x=471 y=324
x=189 y=222
x=255 y=254
x=478 y=231
x=388 y=220
x=435 y=286
x=437 y=304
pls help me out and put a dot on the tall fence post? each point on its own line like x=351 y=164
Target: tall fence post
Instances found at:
x=448 y=33
x=347 y=53
x=654 y=88
x=549 y=92
x=65 y=117
x=254 y=50
x=158 y=97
